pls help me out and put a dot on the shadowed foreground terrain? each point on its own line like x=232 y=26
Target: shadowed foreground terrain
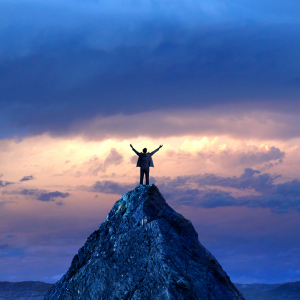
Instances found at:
x=144 y=250
x=26 y=290
x=35 y=290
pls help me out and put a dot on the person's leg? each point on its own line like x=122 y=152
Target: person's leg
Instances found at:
x=147 y=175
x=141 y=176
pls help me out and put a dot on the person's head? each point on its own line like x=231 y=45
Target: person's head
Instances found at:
x=145 y=150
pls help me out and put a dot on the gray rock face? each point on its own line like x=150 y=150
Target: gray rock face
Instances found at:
x=25 y=290
x=144 y=250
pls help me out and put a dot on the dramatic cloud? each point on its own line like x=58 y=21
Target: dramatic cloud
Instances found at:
x=51 y=195
x=40 y=195
x=4 y=183
x=248 y=180
x=111 y=187
x=280 y=198
x=238 y=122
x=252 y=189
x=26 y=178
x=96 y=165
x=131 y=59
x=263 y=157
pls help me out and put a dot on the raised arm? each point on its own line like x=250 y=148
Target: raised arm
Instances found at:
x=156 y=150
x=134 y=150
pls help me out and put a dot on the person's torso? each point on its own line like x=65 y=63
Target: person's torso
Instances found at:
x=145 y=159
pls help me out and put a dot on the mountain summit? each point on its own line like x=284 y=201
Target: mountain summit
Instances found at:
x=144 y=250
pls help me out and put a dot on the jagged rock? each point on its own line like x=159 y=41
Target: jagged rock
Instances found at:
x=144 y=250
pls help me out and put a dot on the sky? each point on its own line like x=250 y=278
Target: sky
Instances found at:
x=216 y=82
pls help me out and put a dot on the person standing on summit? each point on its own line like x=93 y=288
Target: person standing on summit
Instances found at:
x=144 y=162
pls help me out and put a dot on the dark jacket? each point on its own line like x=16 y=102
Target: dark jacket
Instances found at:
x=145 y=159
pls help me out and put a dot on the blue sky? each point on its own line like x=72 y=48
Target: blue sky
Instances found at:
x=216 y=82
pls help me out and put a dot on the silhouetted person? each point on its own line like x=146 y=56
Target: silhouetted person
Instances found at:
x=144 y=162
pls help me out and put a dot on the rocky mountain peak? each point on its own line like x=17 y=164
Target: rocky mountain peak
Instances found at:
x=144 y=250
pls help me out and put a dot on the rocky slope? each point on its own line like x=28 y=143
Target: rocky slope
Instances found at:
x=144 y=250
x=26 y=290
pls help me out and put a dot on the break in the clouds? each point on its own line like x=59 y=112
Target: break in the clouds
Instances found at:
x=128 y=58
x=258 y=190
x=27 y=178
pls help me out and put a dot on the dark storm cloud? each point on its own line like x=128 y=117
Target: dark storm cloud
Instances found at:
x=26 y=178
x=62 y=65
